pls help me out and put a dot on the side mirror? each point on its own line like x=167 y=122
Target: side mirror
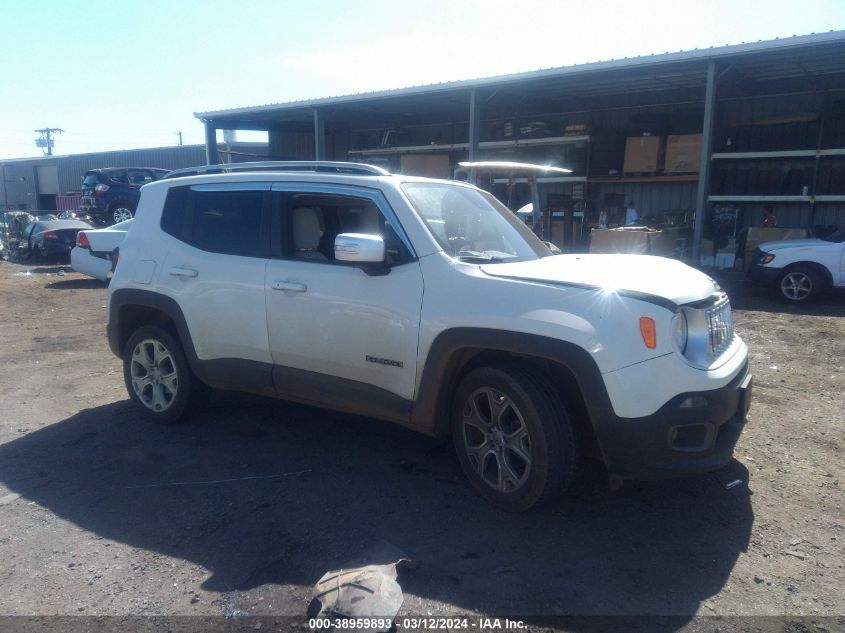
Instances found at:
x=359 y=248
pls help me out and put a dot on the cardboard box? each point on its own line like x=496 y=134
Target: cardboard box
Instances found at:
x=428 y=165
x=643 y=154
x=725 y=260
x=707 y=248
x=759 y=234
x=683 y=153
x=633 y=241
x=663 y=243
x=730 y=247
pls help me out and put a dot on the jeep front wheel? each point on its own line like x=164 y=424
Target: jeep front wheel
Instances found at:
x=513 y=436
x=157 y=375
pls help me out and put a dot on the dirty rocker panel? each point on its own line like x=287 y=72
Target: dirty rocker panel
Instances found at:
x=296 y=385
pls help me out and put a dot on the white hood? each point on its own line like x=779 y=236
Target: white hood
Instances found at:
x=656 y=276
x=809 y=242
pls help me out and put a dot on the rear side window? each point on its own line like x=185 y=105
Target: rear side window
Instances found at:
x=228 y=222
x=118 y=176
x=176 y=216
x=140 y=176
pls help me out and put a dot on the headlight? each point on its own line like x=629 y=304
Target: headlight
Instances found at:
x=679 y=332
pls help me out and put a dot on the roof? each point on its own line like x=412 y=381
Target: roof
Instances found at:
x=781 y=49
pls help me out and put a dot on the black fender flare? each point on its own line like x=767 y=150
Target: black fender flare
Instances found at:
x=447 y=357
x=136 y=297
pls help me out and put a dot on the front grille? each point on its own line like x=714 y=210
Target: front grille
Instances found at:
x=720 y=327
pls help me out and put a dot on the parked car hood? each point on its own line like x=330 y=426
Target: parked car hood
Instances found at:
x=646 y=275
x=810 y=242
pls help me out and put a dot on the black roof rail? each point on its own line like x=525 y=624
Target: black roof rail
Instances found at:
x=334 y=167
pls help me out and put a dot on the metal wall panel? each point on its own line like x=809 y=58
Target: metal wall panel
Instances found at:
x=830 y=214
x=649 y=198
x=73 y=168
x=752 y=109
x=18 y=190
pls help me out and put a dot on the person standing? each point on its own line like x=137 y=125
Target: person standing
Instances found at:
x=631 y=216
x=769 y=217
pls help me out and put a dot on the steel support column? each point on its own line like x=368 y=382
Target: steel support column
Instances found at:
x=474 y=130
x=319 y=136
x=211 y=155
x=705 y=162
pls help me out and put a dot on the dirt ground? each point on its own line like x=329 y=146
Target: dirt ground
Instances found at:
x=241 y=510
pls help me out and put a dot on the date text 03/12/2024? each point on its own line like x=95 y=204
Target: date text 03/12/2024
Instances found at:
x=418 y=624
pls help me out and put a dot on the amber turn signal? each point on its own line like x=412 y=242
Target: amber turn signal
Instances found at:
x=649 y=332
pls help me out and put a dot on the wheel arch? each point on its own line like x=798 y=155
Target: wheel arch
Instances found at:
x=129 y=204
x=454 y=353
x=130 y=308
x=821 y=269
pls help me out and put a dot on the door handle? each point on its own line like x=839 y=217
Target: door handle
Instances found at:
x=183 y=272
x=290 y=286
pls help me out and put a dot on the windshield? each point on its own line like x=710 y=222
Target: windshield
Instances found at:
x=837 y=236
x=472 y=225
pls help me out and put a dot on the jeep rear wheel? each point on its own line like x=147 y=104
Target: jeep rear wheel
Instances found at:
x=157 y=375
x=513 y=436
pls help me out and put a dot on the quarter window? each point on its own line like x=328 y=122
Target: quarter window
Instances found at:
x=228 y=222
x=176 y=215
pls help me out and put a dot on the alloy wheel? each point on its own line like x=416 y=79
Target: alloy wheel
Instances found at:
x=121 y=214
x=154 y=376
x=796 y=286
x=496 y=440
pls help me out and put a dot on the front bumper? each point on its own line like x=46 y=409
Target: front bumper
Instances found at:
x=694 y=432
x=763 y=274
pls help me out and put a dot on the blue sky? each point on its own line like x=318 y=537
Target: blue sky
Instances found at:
x=118 y=74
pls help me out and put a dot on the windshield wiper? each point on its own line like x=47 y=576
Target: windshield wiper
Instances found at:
x=478 y=258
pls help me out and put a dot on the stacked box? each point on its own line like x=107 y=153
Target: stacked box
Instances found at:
x=683 y=153
x=633 y=241
x=643 y=154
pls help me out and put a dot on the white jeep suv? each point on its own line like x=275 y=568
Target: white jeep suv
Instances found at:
x=429 y=304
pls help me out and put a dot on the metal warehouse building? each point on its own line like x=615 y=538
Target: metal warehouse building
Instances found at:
x=713 y=134
x=39 y=183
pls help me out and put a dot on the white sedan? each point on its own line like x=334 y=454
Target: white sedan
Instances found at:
x=801 y=269
x=92 y=254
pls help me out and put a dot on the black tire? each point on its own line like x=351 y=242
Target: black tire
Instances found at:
x=799 y=284
x=158 y=352
x=527 y=405
x=119 y=211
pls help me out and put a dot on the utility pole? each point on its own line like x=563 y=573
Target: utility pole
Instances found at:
x=179 y=134
x=44 y=141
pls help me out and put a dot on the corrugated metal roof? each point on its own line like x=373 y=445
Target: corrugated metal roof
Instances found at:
x=728 y=51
